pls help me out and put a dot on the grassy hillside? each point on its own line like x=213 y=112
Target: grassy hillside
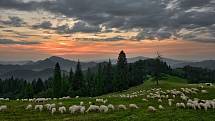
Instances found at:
x=16 y=109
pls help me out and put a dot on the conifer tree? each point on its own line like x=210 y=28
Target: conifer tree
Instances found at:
x=57 y=84
x=122 y=72
x=78 y=81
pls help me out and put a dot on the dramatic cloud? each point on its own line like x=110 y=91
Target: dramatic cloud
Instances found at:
x=156 y=19
x=43 y=25
x=79 y=26
x=110 y=39
x=201 y=34
x=9 y=41
x=14 y=21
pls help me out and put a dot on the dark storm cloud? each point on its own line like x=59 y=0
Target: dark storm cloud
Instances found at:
x=9 y=41
x=43 y=25
x=13 y=21
x=79 y=26
x=150 y=15
x=115 y=38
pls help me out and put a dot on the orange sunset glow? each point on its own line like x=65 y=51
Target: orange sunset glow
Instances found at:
x=37 y=33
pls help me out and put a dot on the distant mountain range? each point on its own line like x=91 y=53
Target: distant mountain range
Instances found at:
x=42 y=68
x=30 y=70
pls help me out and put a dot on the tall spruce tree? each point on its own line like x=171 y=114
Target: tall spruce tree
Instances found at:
x=122 y=72
x=39 y=86
x=57 y=84
x=99 y=80
x=78 y=81
x=108 y=77
x=71 y=77
x=91 y=84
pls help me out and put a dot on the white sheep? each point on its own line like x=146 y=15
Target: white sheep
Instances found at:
x=173 y=96
x=170 y=102
x=82 y=110
x=152 y=109
x=190 y=105
x=81 y=103
x=103 y=108
x=111 y=107
x=75 y=108
x=90 y=103
x=180 y=105
x=60 y=103
x=145 y=100
x=159 y=100
x=105 y=101
x=93 y=108
x=53 y=110
x=29 y=107
x=123 y=107
x=3 y=108
x=204 y=91
x=40 y=107
x=62 y=109
x=161 y=107
x=48 y=106
x=133 y=106
x=76 y=97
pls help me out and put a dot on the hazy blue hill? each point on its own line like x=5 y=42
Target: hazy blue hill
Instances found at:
x=28 y=74
x=209 y=64
x=39 y=68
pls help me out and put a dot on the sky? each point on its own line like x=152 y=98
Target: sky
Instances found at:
x=100 y=29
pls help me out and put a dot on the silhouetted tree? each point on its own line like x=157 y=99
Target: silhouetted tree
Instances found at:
x=99 y=80
x=57 y=83
x=39 y=86
x=108 y=77
x=158 y=69
x=122 y=72
x=78 y=81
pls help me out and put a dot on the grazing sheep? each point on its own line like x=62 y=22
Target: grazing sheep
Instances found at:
x=161 y=107
x=62 y=109
x=90 y=103
x=123 y=107
x=159 y=100
x=101 y=101
x=53 y=110
x=76 y=97
x=133 y=106
x=81 y=103
x=103 y=108
x=75 y=108
x=204 y=91
x=105 y=101
x=152 y=109
x=145 y=100
x=170 y=102
x=110 y=106
x=3 y=108
x=180 y=105
x=60 y=103
x=173 y=96
x=40 y=107
x=28 y=107
x=82 y=110
x=190 y=105
x=94 y=108
x=48 y=106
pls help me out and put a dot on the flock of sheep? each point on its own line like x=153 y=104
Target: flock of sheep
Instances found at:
x=81 y=108
x=180 y=98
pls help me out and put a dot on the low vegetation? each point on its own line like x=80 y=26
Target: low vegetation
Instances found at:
x=139 y=102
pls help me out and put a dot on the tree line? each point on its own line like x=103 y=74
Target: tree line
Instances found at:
x=104 y=78
x=196 y=74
